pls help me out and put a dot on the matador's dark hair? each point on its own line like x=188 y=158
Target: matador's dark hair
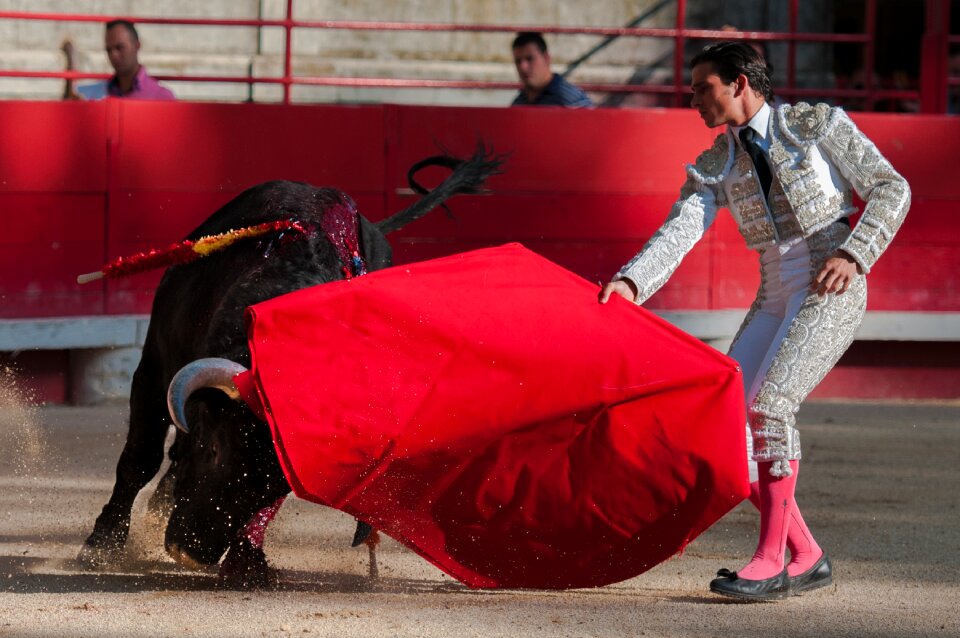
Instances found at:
x=731 y=59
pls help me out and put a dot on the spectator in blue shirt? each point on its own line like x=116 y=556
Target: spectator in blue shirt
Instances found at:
x=541 y=86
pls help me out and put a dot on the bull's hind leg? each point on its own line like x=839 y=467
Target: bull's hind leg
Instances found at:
x=141 y=458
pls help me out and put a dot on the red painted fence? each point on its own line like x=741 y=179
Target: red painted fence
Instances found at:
x=81 y=183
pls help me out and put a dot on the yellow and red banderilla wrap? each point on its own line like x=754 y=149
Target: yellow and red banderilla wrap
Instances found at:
x=185 y=251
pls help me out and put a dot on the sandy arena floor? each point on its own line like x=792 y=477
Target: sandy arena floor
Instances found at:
x=878 y=487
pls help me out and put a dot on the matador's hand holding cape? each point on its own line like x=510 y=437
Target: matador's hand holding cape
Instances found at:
x=485 y=411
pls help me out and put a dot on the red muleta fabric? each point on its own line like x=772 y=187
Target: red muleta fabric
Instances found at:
x=485 y=411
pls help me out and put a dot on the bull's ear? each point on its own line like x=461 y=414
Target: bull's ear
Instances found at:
x=377 y=252
x=202 y=373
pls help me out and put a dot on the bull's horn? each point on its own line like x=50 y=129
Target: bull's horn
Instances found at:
x=202 y=373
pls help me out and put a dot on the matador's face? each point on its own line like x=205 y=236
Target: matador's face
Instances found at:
x=716 y=100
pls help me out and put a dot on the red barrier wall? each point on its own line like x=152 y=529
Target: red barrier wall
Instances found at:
x=82 y=183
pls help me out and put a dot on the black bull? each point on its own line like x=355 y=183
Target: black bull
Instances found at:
x=225 y=470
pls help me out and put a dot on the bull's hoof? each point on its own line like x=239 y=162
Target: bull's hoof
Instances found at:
x=361 y=534
x=93 y=557
x=246 y=567
x=104 y=546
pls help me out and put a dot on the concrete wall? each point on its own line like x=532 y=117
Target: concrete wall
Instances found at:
x=246 y=51
x=242 y=51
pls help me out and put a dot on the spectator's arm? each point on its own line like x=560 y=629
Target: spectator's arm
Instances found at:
x=69 y=90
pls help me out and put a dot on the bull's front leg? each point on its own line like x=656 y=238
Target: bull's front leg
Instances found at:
x=245 y=565
x=139 y=462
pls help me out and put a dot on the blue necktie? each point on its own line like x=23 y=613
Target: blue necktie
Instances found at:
x=748 y=137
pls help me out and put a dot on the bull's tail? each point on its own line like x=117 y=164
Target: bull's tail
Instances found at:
x=468 y=177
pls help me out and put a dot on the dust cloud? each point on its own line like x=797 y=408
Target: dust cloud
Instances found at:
x=22 y=436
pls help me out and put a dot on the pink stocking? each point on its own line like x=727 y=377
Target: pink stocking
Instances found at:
x=776 y=508
x=804 y=550
x=256 y=529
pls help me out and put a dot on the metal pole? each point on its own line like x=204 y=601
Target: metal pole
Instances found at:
x=288 y=42
x=870 y=54
x=678 y=54
x=792 y=45
x=943 y=95
x=934 y=53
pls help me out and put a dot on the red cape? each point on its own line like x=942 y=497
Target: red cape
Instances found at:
x=484 y=410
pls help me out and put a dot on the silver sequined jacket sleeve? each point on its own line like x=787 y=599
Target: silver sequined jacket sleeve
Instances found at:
x=885 y=191
x=689 y=218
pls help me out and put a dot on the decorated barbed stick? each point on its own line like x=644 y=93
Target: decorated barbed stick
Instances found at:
x=186 y=251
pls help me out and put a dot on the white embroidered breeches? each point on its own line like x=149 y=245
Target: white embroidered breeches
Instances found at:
x=790 y=340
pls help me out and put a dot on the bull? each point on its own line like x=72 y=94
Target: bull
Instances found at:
x=225 y=470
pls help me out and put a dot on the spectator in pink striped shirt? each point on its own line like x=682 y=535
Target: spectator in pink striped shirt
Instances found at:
x=130 y=79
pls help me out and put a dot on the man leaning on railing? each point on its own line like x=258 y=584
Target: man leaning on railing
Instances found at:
x=130 y=78
x=541 y=86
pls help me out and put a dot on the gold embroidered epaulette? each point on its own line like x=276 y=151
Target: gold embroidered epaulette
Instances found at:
x=806 y=125
x=713 y=165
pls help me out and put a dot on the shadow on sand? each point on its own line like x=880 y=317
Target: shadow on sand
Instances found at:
x=34 y=574
x=30 y=575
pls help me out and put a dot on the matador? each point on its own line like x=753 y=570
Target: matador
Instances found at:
x=787 y=175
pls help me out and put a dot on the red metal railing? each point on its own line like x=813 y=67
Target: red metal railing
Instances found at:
x=932 y=95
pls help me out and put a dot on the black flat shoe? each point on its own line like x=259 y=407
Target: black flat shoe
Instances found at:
x=820 y=575
x=729 y=584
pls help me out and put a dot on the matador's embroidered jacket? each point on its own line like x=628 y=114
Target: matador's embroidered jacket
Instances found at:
x=818 y=157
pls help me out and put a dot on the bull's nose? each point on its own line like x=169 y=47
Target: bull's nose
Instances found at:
x=182 y=557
